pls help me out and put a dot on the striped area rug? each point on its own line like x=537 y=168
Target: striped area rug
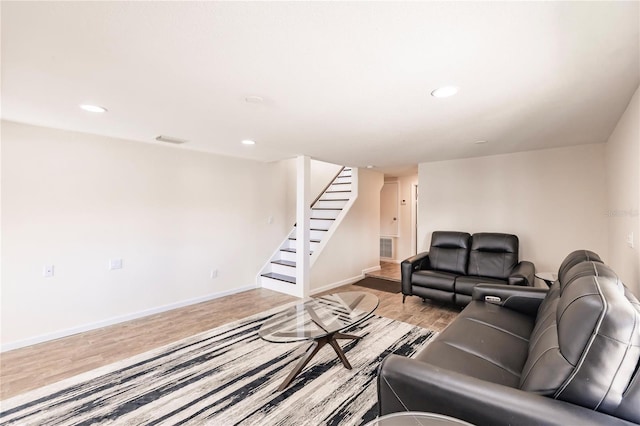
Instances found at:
x=225 y=376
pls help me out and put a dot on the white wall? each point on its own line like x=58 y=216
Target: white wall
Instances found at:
x=554 y=200
x=76 y=200
x=354 y=246
x=623 y=188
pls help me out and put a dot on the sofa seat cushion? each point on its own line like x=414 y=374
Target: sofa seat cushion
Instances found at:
x=434 y=279
x=486 y=342
x=465 y=285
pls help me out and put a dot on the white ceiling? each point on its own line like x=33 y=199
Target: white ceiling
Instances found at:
x=342 y=82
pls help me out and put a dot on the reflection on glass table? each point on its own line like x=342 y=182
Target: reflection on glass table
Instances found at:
x=415 y=418
x=321 y=320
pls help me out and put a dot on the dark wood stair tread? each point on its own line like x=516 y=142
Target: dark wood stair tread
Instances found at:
x=318 y=229
x=311 y=241
x=284 y=262
x=326 y=208
x=333 y=199
x=292 y=250
x=321 y=218
x=333 y=192
x=280 y=277
x=341 y=183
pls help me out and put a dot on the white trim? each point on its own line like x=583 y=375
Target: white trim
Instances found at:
x=372 y=269
x=346 y=281
x=119 y=319
x=337 y=284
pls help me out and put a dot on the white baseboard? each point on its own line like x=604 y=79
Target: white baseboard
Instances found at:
x=350 y=280
x=119 y=319
x=337 y=284
x=372 y=269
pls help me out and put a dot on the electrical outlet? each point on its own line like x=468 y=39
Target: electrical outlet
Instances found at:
x=214 y=273
x=47 y=271
x=630 y=241
x=115 y=264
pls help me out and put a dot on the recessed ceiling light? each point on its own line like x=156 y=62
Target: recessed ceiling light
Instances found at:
x=248 y=142
x=93 y=108
x=369 y=166
x=254 y=99
x=445 y=92
x=480 y=142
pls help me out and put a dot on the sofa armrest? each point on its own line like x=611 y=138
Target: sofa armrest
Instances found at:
x=414 y=263
x=406 y=384
x=525 y=300
x=523 y=274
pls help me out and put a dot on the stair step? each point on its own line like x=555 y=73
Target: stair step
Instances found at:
x=280 y=277
x=333 y=199
x=344 y=175
x=333 y=192
x=292 y=250
x=284 y=263
x=341 y=183
x=311 y=241
x=326 y=208
x=322 y=218
x=318 y=229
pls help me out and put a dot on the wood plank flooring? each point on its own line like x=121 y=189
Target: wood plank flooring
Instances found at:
x=388 y=271
x=28 y=368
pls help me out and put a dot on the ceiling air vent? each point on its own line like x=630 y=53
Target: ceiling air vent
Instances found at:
x=170 y=139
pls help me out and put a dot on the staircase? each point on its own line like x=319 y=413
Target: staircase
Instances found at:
x=279 y=273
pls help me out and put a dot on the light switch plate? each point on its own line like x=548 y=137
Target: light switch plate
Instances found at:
x=115 y=264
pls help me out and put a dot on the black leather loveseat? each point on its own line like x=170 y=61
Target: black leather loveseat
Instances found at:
x=568 y=355
x=457 y=261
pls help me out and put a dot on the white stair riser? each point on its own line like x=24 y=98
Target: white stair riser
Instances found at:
x=342 y=179
x=340 y=187
x=321 y=224
x=330 y=214
x=284 y=255
x=292 y=244
x=334 y=195
x=278 y=285
x=283 y=270
x=318 y=235
x=330 y=204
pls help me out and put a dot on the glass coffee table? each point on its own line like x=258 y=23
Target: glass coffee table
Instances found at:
x=320 y=320
x=412 y=418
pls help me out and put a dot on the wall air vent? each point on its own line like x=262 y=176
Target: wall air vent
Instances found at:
x=386 y=247
x=170 y=139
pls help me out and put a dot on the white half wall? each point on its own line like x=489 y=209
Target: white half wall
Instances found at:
x=553 y=200
x=75 y=201
x=623 y=189
x=354 y=246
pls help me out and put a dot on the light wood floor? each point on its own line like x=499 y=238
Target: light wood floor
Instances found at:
x=388 y=271
x=28 y=368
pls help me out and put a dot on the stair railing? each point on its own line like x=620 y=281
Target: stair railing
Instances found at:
x=327 y=187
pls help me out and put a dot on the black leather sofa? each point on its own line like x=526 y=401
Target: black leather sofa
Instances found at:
x=568 y=355
x=457 y=261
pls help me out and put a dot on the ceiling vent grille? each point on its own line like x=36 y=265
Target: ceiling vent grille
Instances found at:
x=170 y=139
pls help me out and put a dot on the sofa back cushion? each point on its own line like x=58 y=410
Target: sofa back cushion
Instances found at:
x=449 y=251
x=573 y=259
x=493 y=255
x=585 y=346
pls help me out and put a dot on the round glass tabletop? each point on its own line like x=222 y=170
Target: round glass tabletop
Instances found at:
x=319 y=316
x=414 y=418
